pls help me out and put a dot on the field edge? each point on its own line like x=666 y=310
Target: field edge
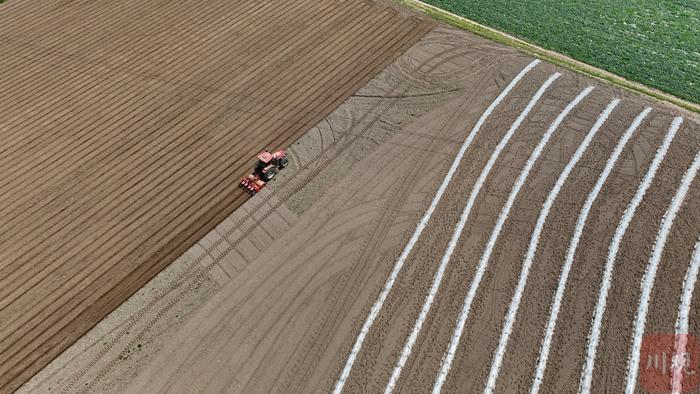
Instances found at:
x=546 y=54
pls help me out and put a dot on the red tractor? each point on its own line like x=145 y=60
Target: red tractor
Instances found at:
x=265 y=169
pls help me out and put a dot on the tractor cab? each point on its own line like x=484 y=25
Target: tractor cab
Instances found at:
x=265 y=159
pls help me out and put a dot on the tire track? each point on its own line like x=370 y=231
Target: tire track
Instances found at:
x=370 y=249
x=419 y=229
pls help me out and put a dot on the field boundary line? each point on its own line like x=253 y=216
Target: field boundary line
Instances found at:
x=374 y=312
x=529 y=259
x=547 y=54
x=606 y=280
x=651 y=270
x=573 y=247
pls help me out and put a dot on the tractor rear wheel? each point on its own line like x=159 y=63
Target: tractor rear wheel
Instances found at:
x=269 y=174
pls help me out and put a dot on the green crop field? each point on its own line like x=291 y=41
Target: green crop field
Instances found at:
x=655 y=42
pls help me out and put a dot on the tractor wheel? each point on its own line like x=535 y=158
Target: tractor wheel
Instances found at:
x=269 y=174
x=283 y=162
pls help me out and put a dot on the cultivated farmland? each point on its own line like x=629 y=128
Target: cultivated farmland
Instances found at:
x=653 y=42
x=464 y=219
x=126 y=126
x=337 y=279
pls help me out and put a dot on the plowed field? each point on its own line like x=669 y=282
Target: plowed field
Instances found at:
x=125 y=127
x=525 y=229
x=469 y=220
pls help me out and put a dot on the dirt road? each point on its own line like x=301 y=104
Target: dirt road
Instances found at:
x=126 y=127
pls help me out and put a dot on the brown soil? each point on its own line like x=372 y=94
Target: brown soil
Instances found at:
x=273 y=299
x=126 y=127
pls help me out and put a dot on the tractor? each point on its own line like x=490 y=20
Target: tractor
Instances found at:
x=267 y=166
